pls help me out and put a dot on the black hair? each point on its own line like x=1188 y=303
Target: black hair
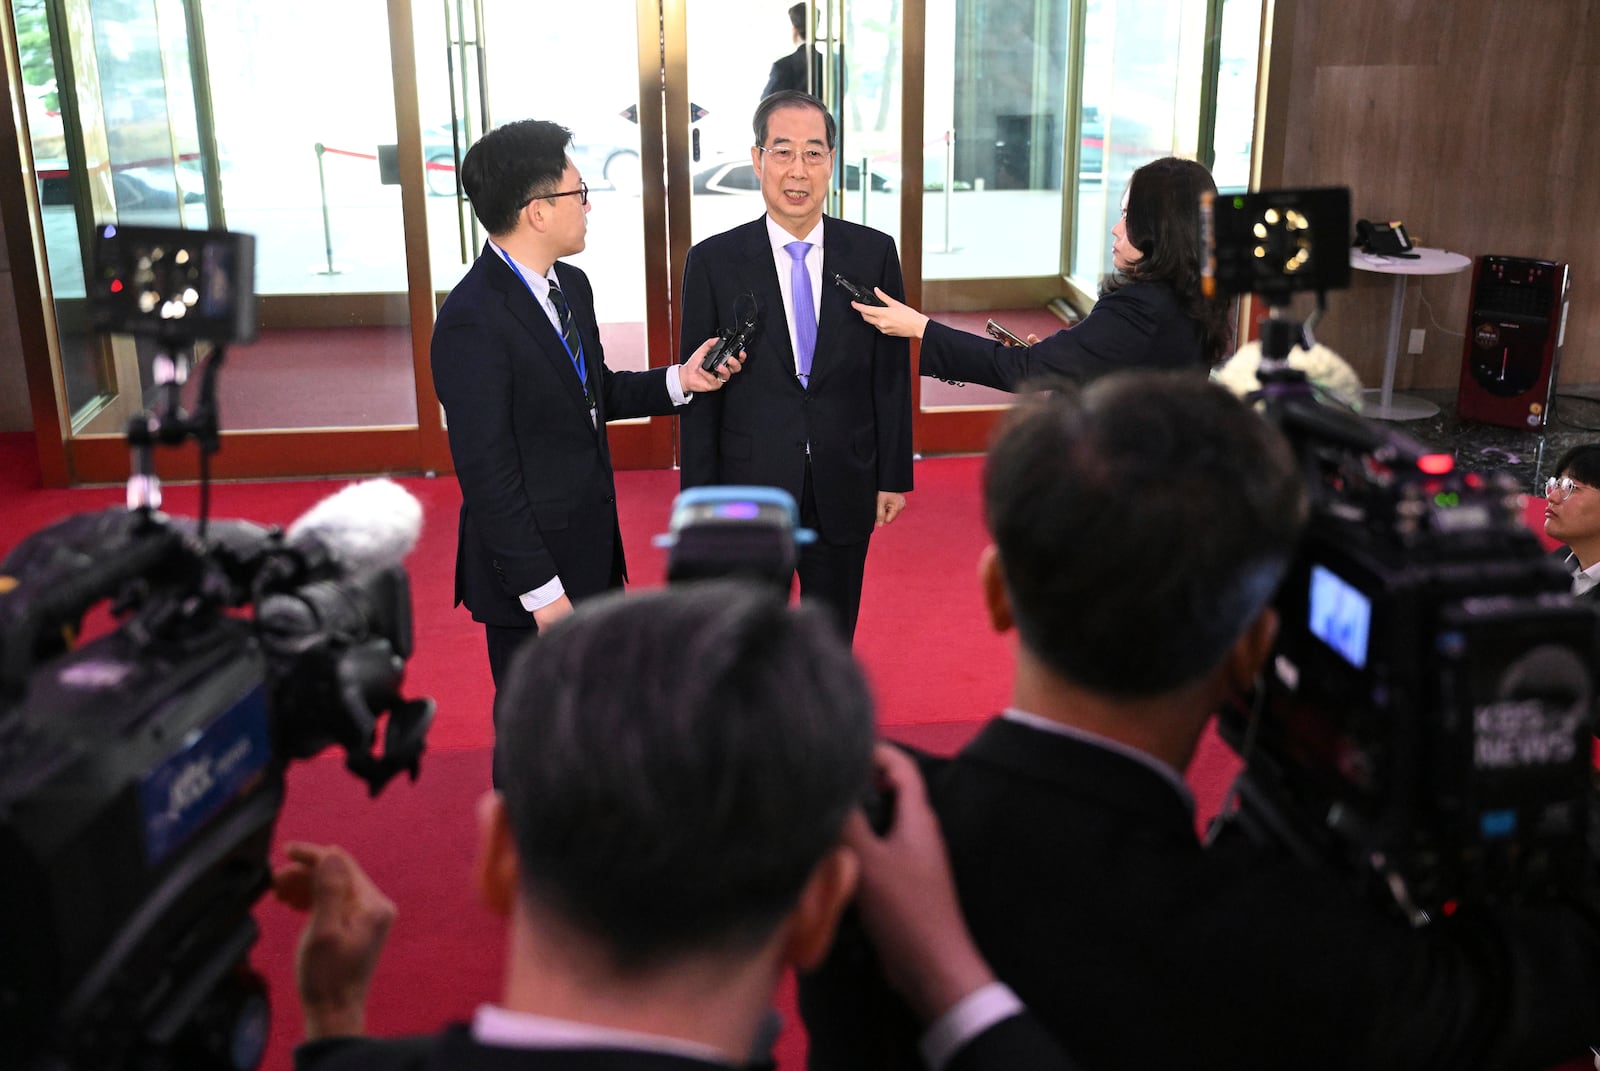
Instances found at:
x=509 y=166
x=676 y=763
x=797 y=19
x=1142 y=523
x=791 y=98
x=1582 y=463
x=1163 y=223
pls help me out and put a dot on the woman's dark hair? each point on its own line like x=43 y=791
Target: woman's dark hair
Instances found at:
x=1163 y=223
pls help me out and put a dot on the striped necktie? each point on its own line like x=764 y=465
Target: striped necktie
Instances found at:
x=570 y=339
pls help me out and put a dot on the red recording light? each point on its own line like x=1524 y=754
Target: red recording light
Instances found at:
x=116 y=286
x=1436 y=464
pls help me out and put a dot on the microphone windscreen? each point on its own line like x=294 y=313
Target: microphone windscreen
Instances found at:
x=745 y=309
x=371 y=523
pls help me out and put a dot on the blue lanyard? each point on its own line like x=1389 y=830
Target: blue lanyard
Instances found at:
x=575 y=358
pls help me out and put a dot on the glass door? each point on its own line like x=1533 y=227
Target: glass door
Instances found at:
x=113 y=127
x=734 y=52
x=609 y=95
x=279 y=149
x=1035 y=113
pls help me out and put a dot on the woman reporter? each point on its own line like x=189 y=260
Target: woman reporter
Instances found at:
x=1150 y=314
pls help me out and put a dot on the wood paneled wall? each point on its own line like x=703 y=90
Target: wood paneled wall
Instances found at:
x=1477 y=122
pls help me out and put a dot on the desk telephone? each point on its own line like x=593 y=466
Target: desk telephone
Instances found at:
x=1384 y=238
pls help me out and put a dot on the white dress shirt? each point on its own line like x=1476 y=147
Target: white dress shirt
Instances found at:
x=784 y=263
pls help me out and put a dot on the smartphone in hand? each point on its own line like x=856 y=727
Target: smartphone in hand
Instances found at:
x=994 y=329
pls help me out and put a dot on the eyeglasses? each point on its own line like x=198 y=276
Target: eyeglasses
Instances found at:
x=1559 y=490
x=581 y=193
x=783 y=155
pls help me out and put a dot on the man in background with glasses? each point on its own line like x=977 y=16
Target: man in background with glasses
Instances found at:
x=518 y=364
x=1572 y=515
x=823 y=409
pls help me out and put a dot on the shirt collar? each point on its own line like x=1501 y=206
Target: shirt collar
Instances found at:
x=539 y=284
x=1582 y=579
x=494 y=1025
x=1105 y=743
x=780 y=237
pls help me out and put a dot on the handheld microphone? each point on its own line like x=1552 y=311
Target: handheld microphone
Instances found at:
x=857 y=292
x=733 y=339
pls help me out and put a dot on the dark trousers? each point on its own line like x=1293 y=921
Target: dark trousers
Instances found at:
x=504 y=643
x=830 y=573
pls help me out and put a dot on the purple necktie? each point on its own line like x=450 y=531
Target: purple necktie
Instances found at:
x=805 y=315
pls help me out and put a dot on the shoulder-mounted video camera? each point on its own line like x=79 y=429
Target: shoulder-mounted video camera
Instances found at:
x=1425 y=721
x=142 y=771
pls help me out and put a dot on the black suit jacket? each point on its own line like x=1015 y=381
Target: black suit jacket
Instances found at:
x=856 y=413
x=1141 y=325
x=1560 y=555
x=455 y=1050
x=790 y=73
x=538 y=499
x=1089 y=893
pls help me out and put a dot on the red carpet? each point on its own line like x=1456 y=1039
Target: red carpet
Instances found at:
x=286 y=379
x=937 y=669
x=920 y=611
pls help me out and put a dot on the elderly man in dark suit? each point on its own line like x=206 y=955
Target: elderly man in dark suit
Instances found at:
x=1140 y=529
x=823 y=408
x=518 y=364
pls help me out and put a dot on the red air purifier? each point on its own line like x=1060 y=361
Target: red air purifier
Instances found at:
x=1515 y=328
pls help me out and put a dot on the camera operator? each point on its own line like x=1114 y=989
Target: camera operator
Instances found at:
x=1572 y=515
x=665 y=842
x=1140 y=529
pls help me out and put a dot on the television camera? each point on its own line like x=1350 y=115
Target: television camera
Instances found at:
x=1424 y=723
x=731 y=531
x=142 y=771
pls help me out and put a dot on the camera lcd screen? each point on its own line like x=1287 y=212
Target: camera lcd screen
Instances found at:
x=1340 y=616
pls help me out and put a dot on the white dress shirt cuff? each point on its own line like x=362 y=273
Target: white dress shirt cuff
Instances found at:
x=675 y=386
x=543 y=595
x=969 y=1017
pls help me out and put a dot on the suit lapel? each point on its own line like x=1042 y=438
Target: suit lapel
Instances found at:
x=837 y=257
x=526 y=309
x=759 y=273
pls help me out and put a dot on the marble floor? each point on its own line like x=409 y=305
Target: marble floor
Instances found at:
x=1528 y=455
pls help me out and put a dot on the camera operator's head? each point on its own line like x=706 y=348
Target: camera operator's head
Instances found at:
x=676 y=769
x=1140 y=525
x=1572 y=503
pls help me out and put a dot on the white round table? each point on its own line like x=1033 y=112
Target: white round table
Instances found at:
x=1383 y=402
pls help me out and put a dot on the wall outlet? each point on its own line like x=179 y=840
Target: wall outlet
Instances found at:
x=1418 y=336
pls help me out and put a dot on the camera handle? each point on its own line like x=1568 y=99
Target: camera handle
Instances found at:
x=166 y=424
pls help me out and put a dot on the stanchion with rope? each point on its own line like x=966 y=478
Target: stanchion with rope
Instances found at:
x=327 y=227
